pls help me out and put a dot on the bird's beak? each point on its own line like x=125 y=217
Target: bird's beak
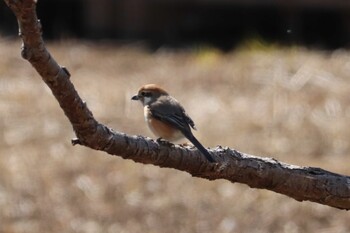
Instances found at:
x=135 y=97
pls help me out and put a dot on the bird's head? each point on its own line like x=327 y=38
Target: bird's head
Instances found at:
x=149 y=93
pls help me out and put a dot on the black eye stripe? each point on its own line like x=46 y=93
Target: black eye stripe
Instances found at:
x=146 y=94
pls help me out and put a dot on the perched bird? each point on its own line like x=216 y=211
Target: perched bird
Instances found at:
x=166 y=118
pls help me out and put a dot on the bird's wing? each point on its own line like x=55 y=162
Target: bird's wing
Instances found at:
x=189 y=120
x=170 y=111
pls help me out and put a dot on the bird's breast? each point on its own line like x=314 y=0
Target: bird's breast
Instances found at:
x=161 y=129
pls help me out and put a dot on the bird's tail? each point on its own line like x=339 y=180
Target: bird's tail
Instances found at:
x=200 y=147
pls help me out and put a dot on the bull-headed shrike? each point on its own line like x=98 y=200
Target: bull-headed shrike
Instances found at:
x=166 y=118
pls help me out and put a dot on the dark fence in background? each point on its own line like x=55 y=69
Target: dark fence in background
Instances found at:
x=319 y=23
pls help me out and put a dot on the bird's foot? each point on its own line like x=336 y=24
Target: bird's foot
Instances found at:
x=164 y=142
x=186 y=144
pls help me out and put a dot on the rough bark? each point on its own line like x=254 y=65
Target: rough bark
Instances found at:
x=300 y=183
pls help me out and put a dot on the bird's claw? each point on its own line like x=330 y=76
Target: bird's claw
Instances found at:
x=186 y=144
x=164 y=142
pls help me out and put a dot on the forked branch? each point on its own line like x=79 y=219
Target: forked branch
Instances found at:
x=300 y=183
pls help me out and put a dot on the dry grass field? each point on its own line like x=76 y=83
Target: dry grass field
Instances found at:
x=292 y=104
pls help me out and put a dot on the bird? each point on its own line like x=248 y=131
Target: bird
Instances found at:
x=166 y=117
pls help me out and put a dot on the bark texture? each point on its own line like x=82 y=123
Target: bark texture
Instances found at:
x=300 y=183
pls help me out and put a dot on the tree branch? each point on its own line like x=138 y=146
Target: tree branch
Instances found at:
x=300 y=183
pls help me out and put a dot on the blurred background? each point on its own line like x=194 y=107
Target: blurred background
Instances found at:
x=272 y=77
x=223 y=23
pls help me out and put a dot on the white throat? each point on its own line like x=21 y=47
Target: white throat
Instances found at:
x=146 y=100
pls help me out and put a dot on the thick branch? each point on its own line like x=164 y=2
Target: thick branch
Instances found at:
x=300 y=183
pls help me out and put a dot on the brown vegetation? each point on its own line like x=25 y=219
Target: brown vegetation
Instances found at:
x=291 y=104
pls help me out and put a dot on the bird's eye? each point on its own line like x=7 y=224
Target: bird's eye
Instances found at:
x=145 y=94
